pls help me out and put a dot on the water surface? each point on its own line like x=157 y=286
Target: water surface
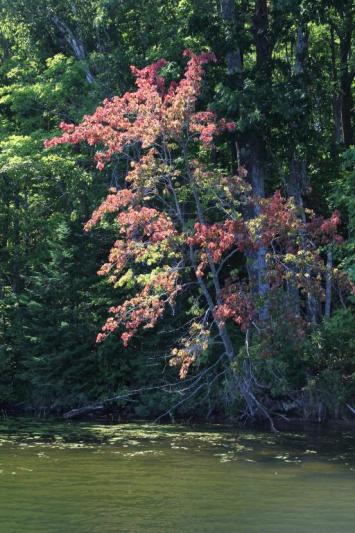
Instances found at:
x=89 y=478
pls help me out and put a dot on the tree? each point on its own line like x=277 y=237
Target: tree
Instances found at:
x=182 y=225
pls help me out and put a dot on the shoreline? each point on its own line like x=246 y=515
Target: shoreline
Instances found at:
x=282 y=425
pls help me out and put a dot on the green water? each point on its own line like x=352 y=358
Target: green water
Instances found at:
x=83 y=478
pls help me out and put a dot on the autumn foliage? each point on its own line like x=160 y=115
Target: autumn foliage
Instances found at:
x=182 y=224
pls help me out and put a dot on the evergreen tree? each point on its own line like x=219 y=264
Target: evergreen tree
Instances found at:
x=59 y=322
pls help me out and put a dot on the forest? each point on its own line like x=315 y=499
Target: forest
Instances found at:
x=177 y=202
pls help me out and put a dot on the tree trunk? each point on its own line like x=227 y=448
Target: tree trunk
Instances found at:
x=328 y=285
x=298 y=168
x=256 y=147
x=262 y=42
x=75 y=43
x=234 y=55
x=297 y=177
x=251 y=147
x=296 y=183
x=346 y=76
x=294 y=186
x=336 y=97
x=301 y=50
x=17 y=242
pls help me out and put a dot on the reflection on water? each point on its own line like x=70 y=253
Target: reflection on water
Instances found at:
x=83 y=478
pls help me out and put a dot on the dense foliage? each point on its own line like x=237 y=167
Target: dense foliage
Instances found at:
x=228 y=225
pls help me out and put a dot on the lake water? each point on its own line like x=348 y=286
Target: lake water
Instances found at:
x=89 y=478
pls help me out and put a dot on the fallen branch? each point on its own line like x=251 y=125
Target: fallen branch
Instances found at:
x=84 y=411
x=351 y=408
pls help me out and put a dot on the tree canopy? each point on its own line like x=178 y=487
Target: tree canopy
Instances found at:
x=221 y=196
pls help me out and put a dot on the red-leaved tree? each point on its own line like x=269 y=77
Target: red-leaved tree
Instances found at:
x=182 y=225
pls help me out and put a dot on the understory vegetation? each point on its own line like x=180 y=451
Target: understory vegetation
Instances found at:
x=211 y=187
